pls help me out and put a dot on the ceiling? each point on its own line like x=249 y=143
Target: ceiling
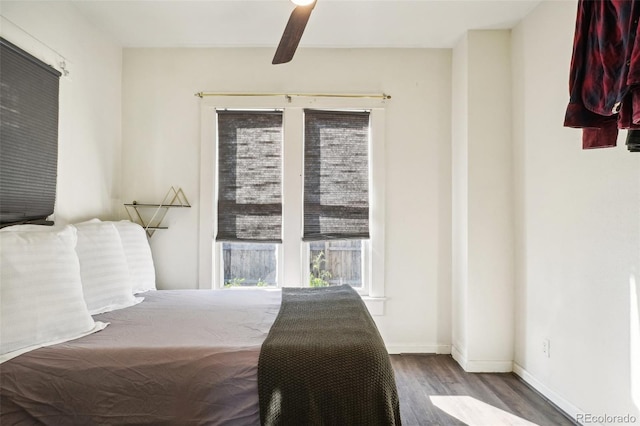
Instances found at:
x=333 y=23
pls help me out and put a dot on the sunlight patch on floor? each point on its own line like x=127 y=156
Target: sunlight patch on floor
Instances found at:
x=476 y=413
x=634 y=340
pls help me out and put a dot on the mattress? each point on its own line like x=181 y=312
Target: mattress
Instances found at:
x=181 y=354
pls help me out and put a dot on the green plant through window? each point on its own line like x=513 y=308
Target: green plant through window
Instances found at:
x=239 y=282
x=319 y=277
x=234 y=282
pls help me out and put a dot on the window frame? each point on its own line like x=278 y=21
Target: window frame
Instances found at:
x=293 y=269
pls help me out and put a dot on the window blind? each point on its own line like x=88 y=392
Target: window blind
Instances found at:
x=250 y=176
x=28 y=135
x=336 y=175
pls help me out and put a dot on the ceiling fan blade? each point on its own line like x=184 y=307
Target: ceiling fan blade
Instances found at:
x=292 y=33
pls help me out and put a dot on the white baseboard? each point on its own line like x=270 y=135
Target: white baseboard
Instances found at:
x=555 y=398
x=394 y=349
x=457 y=355
x=481 y=366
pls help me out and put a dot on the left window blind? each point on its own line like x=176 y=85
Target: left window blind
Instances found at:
x=250 y=176
x=28 y=136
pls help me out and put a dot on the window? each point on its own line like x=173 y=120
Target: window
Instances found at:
x=249 y=265
x=249 y=196
x=336 y=195
x=29 y=134
x=326 y=187
x=336 y=262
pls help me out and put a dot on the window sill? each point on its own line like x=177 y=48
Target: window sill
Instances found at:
x=375 y=305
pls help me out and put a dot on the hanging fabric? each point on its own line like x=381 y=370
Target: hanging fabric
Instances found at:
x=604 y=81
x=633 y=140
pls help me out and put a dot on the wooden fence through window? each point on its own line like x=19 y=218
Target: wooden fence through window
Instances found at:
x=250 y=264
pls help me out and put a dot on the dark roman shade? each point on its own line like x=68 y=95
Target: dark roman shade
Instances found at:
x=28 y=136
x=336 y=175
x=250 y=176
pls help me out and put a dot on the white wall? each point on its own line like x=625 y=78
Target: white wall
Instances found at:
x=89 y=136
x=578 y=227
x=161 y=133
x=577 y=212
x=482 y=195
x=460 y=189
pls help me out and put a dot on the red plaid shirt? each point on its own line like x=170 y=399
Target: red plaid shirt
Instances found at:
x=604 y=81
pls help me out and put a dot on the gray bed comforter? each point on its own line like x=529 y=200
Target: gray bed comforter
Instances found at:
x=181 y=357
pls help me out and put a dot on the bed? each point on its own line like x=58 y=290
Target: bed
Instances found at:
x=184 y=357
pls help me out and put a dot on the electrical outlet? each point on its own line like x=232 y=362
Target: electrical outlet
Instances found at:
x=546 y=348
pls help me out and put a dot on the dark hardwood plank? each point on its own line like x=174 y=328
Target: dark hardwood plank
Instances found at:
x=435 y=390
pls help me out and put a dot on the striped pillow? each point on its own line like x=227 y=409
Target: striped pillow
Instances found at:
x=105 y=275
x=41 y=294
x=138 y=254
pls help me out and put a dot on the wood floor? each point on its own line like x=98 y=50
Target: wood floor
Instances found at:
x=435 y=390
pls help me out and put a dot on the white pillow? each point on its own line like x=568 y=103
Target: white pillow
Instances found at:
x=41 y=297
x=105 y=275
x=28 y=227
x=138 y=254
